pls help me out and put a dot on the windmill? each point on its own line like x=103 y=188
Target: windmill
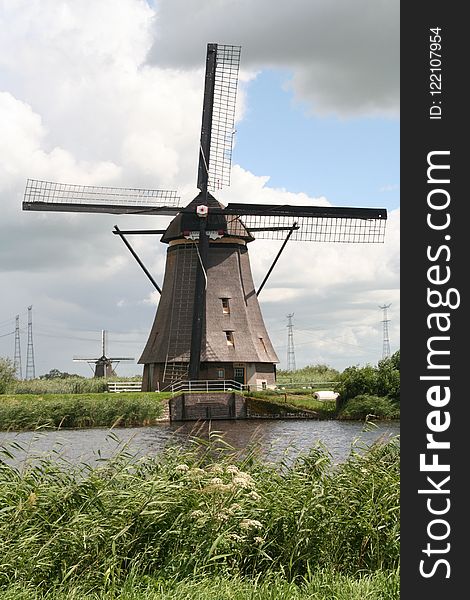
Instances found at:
x=103 y=365
x=208 y=323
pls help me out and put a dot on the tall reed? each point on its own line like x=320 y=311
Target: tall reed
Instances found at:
x=199 y=512
x=128 y=409
x=67 y=385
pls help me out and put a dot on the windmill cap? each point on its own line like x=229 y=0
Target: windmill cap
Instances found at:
x=189 y=219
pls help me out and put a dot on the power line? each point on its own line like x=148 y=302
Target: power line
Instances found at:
x=7 y=334
x=88 y=339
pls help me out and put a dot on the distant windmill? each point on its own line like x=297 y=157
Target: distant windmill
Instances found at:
x=209 y=323
x=103 y=364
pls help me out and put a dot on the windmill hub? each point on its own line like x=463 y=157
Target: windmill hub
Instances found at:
x=202 y=210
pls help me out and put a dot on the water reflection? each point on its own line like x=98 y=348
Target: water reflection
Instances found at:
x=274 y=438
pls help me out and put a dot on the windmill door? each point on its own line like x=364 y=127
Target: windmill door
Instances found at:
x=239 y=374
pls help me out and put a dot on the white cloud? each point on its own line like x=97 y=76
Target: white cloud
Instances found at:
x=244 y=186
x=344 y=55
x=334 y=289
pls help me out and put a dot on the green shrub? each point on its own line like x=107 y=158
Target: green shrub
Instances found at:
x=307 y=374
x=388 y=377
x=383 y=380
x=365 y=406
x=7 y=374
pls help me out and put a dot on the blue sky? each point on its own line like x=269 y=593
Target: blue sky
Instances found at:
x=353 y=161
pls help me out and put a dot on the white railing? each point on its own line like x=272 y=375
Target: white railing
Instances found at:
x=208 y=385
x=124 y=386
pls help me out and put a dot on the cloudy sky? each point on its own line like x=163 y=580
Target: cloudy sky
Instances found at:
x=100 y=92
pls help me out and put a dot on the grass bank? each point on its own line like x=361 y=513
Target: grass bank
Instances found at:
x=369 y=407
x=126 y=409
x=279 y=402
x=319 y=586
x=203 y=514
x=360 y=408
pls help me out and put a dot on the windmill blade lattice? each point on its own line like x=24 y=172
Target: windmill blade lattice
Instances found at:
x=66 y=197
x=222 y=107
x=317 y=229
x=311 y=223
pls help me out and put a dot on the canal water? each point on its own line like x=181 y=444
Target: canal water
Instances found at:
x=275 y=439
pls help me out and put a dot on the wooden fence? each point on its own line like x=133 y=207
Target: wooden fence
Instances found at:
x=124 y=386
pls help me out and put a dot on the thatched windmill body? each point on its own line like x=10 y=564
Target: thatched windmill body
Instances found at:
x=208 y=323
x=217 y=312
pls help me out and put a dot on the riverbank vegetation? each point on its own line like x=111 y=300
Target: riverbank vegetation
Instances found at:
x=297 y=400
x=63 y=385
x=364 y=393
x=359 y=408
x=203 y=523
x=366 y=407
x=370 y=390
x=382 y=381
x=311 y=373
x=125 y=409
x=7 y=374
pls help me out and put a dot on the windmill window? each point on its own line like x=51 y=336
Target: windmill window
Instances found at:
x=225 y=306
x=263 y=344
x=239 y=374
x=229 y=337
x=220 y=373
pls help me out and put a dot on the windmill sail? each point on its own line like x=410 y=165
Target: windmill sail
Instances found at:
x=218 y=116
x=311 y=223
x=66 y=197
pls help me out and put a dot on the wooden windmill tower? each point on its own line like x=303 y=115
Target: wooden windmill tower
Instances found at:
x=103 y=365
x=208 y=323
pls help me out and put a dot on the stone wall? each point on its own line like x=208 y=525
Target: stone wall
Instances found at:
x=194 y=406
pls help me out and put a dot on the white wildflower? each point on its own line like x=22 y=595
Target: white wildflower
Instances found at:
x=182 y=468
x=197 y=514
x=216 y=468
x=232 y=469
x=216 y=481
x=254 y=495
x=243 y=480
x=217 y=487
x=250 y=524
x=258 y=540
x=196 y=473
